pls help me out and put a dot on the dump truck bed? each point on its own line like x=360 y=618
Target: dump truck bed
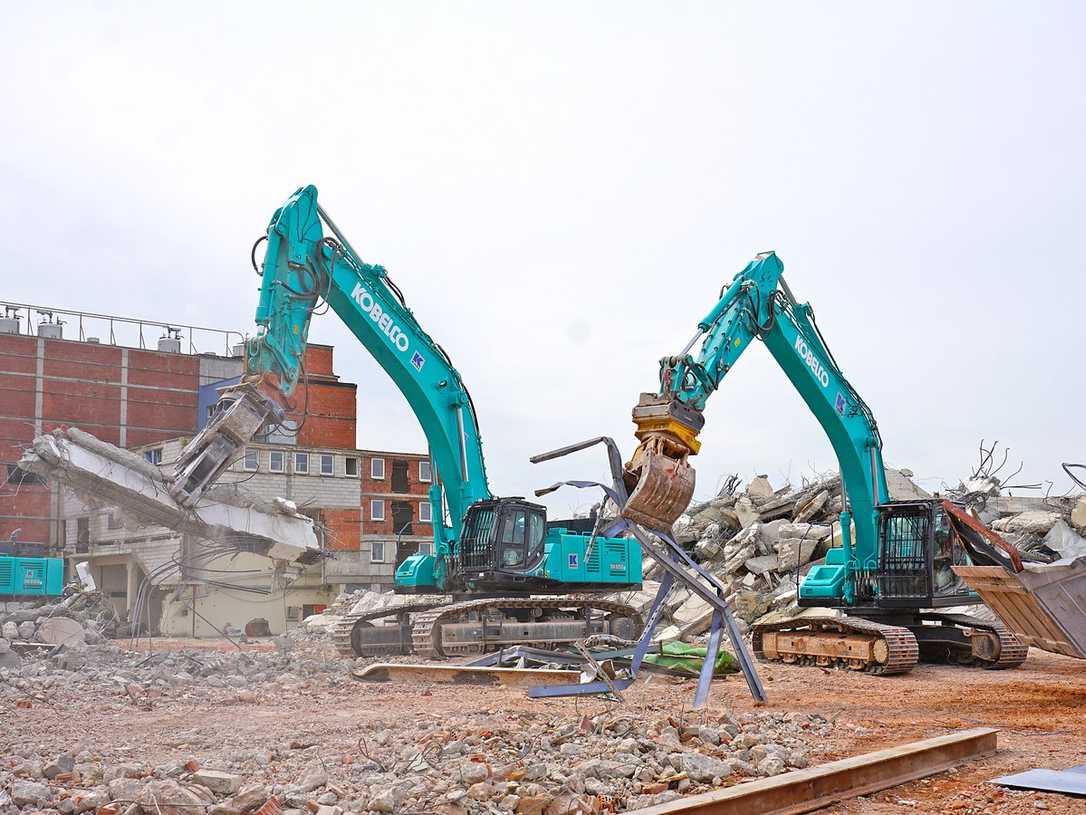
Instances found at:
x=1044 y=604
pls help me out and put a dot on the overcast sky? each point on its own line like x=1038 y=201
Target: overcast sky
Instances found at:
x=560 y=189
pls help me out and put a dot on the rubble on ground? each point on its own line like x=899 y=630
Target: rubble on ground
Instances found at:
x=480 y=762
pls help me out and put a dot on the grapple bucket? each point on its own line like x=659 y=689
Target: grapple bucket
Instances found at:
x=663 y=491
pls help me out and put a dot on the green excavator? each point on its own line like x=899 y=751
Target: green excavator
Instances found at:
x=500 y=573
x=888 y=574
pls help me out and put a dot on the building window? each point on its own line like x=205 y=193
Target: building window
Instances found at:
x=249 y=463
x=327 y=464
x=301 y=463
x=377 y=468
x=399 y=476
x=426 y=548
x=377 y=510
x=424 y=472
x=424 y=512
x=154 y=456
x=350 y=466
x=377 y=551
x=275 y=461
x=114 y=521
x=82 y=534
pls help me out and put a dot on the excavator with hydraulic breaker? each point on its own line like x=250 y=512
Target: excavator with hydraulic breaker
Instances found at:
x=500 y=573
x=893 y=569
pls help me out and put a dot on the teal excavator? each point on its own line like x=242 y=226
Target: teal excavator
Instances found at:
x=499 y=571
x=889 y=573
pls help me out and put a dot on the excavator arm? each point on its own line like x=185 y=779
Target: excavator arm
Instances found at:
x=757 y=304
x=303 y=267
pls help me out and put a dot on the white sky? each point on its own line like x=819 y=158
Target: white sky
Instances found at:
x=561 y=188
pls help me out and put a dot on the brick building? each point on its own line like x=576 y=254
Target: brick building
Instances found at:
x=397 y=516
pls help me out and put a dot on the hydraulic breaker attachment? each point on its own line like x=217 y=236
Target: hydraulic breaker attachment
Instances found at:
x=658 y=475
x=239 y=415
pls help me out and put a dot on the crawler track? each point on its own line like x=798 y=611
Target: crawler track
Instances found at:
x=895 y=646
x=428 y=643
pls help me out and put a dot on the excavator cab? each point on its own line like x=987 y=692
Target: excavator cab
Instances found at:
x=502 y=535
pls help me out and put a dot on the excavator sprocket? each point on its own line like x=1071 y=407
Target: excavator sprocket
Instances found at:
x=845 y=642
x=993 y=646
x=478 y=626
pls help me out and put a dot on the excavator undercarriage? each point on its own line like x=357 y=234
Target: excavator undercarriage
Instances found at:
x=861 y=644
x=447 y=628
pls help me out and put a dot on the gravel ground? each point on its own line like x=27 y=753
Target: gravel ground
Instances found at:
x=223 y=731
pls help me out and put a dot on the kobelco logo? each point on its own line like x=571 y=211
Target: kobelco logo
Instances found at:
x=368 y=304
x=812 y=362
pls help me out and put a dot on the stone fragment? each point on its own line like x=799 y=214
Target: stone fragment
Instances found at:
x=750 y=605
x=761 y=564
x=222 y=783
x=124 y=790
x=472 y=772
x=532 y=804
x=745 y=511
x=804 y=531
x=794 y=552
x=30 y=793
x=314 y=777
x=26 y=630
x=58 y=630
x=63 y=763
x=703 y=768
x=1078 y=514
x=1034 y=522
x=384 y=801
x=170 y=798
x=759 y=487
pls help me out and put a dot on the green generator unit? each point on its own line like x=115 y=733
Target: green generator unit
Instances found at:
x=27 y=578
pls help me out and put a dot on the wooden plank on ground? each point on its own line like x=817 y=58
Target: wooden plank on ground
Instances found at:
x=807 y=790
x=463 y=674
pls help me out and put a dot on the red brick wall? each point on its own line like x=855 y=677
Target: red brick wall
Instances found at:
x=318 y=360
x=162 y=396
x=382 y=488
x=330 y=414
x=344 y=528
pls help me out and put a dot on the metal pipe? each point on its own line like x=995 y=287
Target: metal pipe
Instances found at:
x=787 y=290
x=690 y=344
x=335 y=231
x=463 y=442
x=874 y=479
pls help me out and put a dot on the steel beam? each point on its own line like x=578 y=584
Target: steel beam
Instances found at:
x=807 y=790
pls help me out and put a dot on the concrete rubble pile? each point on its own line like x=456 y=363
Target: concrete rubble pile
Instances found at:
x=1045 y=529
x=480 y=762
x=86 y=618
x=94 y=663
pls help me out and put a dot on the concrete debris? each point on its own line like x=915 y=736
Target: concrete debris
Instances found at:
x=1078 y=514
x=118 y=477
x=476 y=762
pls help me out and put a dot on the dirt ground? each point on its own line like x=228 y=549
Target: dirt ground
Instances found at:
x=1040 y=709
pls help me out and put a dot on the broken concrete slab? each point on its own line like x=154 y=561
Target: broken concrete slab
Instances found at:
x=112 y=475
x=60 y=631
x=1033 y=522
x=794 y=552
x=1078 y=514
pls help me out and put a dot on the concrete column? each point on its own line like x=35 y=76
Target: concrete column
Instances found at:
x=132 y=583
x=124 y=398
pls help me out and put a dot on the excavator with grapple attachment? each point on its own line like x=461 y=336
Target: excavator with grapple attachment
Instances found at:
x=500 y=573
x=893 y=569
